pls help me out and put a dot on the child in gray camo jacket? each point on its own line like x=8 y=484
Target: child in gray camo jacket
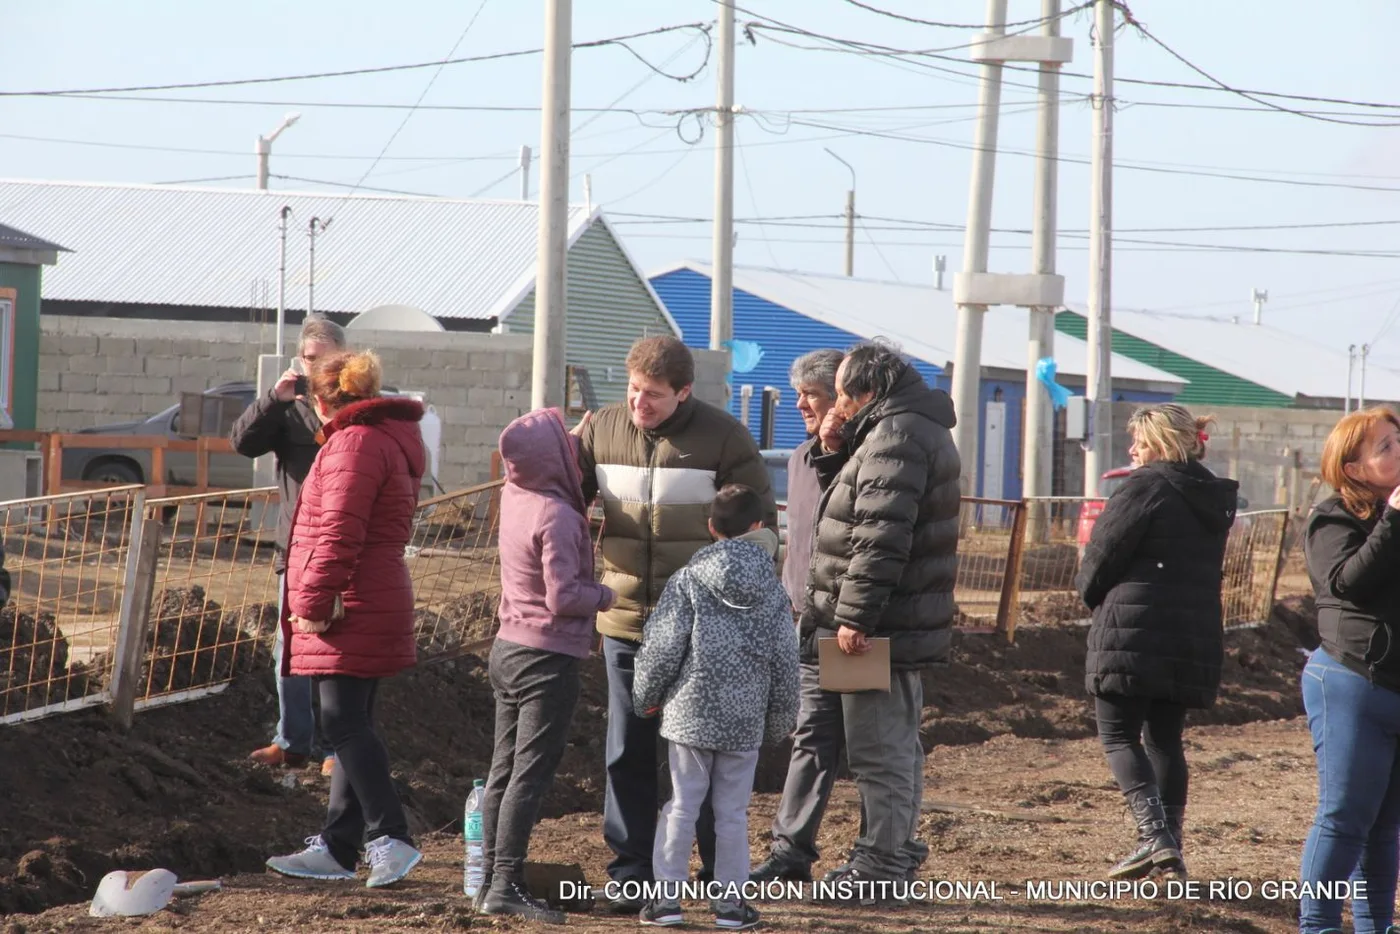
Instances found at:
x=719 y=662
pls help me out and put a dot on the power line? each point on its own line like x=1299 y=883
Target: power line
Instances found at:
x=979 y=26
x=620 y=41
x=355 y=187
x=879 y=252
x=426 y=88
x=870 y=48
x=1118 y=164
x=753 y=198
x=1247 y=95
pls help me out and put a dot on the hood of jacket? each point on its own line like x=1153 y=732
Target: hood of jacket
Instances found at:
x=738 y=572
x=910 y=394
x=1212 y=499
x=540 y=455
x=394 y=416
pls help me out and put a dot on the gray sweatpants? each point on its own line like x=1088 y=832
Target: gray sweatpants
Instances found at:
x=728 y=778
x=882 y=736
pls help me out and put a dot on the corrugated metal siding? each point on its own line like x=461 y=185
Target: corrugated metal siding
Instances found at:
x=1207 y=386
x=149 y=245
x=609 y=309
x=784 y=336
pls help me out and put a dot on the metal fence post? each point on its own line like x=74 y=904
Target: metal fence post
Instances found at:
x=137 y=593
x=1009 y=609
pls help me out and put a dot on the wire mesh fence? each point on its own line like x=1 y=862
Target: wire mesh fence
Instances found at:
x=989 y=556
x=455 y=567
x=1253 y=559
x=213 y=600
x=67 y=558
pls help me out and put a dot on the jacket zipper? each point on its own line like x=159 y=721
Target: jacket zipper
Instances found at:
x=651 y=524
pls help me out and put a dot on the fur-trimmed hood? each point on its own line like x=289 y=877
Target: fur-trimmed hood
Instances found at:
x=394 y=416
x=374 y=412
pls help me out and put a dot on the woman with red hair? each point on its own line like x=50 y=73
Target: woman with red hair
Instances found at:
x=349 y=608
x=1351 y=684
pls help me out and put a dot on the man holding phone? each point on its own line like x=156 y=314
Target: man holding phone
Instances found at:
x=283 y=423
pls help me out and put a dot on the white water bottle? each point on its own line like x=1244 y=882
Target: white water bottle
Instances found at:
x=474 y=873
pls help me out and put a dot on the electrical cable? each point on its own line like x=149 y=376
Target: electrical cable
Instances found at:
x=383 y=69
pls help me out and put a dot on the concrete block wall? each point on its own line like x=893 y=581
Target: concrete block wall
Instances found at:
x=1246 y=443
x=99 y=371
x=96 y=371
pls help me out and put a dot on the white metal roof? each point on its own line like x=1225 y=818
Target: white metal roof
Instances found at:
x=1273 y=358
x=166 y=245
x=921 y=319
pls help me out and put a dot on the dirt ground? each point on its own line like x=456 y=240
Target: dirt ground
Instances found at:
x=1017 y=792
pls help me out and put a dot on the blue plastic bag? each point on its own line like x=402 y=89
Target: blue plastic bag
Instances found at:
x=1045 y=372
x=745 y=355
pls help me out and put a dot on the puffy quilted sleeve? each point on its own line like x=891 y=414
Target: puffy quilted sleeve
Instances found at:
x=1117 y=532
x=665 y=645
x=352 y=470
x=891 y=478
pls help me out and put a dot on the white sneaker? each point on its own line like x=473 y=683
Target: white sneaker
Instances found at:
x=389 y=861
x=314 y=862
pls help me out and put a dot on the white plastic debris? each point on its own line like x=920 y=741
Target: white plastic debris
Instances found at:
x=124 y=894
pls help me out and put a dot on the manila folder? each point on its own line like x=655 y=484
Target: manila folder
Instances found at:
x=846 y=674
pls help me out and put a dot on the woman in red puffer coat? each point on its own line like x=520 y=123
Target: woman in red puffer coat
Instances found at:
x=349 y=608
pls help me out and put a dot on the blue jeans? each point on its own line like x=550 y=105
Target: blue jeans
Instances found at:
x=296 y=720
x=633 y=797
x=1356 y=734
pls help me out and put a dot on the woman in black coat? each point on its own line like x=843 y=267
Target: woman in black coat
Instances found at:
x=1151 y=574
x=1351 y=683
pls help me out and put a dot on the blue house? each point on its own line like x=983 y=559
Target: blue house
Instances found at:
x=788 y=314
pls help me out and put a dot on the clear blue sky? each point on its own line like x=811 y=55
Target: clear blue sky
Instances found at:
x=644 y=165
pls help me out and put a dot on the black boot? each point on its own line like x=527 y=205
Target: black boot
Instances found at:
x=513 y=898
x=1176 y=817
x=1157 y=848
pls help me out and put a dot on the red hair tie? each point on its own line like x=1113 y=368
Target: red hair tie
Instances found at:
x=1202 y=437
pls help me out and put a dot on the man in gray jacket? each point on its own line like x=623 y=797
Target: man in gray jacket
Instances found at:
x=884 y=564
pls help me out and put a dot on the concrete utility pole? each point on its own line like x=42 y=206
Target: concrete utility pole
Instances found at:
x=722 y=273
x=1361 y=390
x=547 y=372
x=974 y=289
x=1038 y=444
x=263 y=147
x=316 y=225
x=1099 y=452
x=967 y=360
x=524 y=173
x=1259 y=297
x=850 y=215
x=1351 y=368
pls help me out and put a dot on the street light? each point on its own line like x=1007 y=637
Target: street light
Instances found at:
x=850 y=215
x=264 y=146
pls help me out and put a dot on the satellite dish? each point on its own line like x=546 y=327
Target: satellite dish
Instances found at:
x=395 y=318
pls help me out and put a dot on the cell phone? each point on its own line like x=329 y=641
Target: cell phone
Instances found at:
x=299 y=368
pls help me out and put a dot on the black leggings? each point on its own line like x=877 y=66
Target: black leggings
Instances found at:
x=364 y=804
x=1124 y=724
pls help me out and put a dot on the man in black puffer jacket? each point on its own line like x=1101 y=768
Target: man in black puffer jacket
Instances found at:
x=884 y=561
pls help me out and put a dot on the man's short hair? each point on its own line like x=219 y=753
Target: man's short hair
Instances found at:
x=873 y=366
x=665 y=358
x=735 y=510
x=322 y=330
x=817 y=368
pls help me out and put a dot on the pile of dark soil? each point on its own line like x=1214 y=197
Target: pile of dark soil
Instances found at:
x=1035 y=688
x=461 y=621
x=34 y=655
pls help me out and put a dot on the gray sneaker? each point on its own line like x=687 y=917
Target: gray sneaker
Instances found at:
x=314 y=862
x=389 y=861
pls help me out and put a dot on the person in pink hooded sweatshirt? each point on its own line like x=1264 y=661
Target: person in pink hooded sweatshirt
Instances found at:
x=549 y=598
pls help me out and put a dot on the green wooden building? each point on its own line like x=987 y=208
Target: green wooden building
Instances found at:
x=22 y=259
x=1238 y=362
